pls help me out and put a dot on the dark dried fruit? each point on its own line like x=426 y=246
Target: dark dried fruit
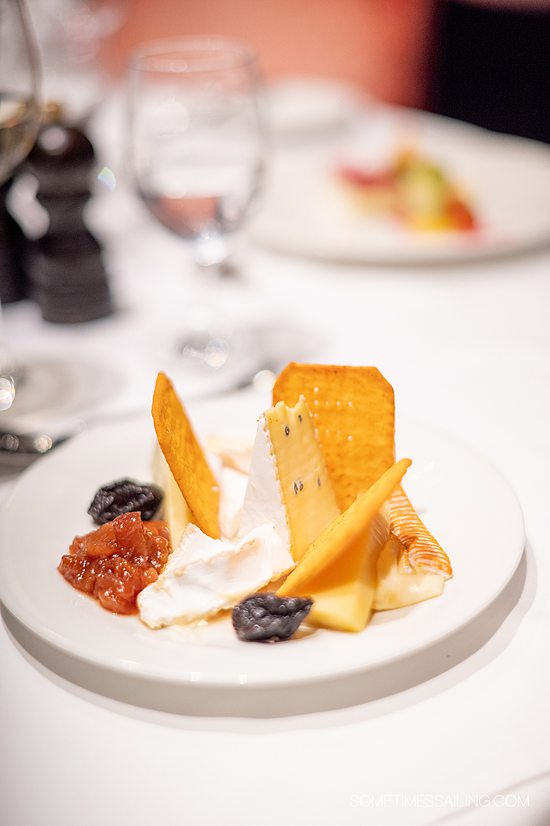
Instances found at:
x=125 y=496
x=269 y=618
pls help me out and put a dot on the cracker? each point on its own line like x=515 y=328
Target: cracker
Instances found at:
x=185 y=457
x=353 y=412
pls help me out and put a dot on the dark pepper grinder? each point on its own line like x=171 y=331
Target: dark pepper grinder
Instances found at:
x=66 y=269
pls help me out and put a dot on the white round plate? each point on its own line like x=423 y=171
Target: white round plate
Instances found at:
x=303 y=106
x=466 y=503
x=306 y=212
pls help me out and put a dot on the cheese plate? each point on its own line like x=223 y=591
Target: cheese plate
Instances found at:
x=468 y=504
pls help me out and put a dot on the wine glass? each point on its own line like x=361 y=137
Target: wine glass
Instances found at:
x=19 y=122
x=19 y=108
x=197 y=151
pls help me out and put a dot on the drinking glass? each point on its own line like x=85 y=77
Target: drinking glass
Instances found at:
x=19 y=108
x=197 y=151
x=19 y=122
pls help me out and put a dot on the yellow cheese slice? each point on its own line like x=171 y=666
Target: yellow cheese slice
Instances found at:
x=175 y=510
x=398 y=587
x=339 y=569
x=306 y=489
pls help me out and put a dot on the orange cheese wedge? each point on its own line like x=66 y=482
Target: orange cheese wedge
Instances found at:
x=339 y=568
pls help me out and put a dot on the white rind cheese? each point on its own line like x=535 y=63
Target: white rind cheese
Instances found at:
x=263 y=503
x=205 y=575
x=232 y=490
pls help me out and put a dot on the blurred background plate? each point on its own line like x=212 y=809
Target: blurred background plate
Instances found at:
x=507 y=179
x=304 y=107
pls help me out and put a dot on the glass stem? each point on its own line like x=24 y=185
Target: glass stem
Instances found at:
x=209 y=329
x=206 y=307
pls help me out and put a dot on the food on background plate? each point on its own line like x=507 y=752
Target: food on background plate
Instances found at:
x=412 y=188
x=310 y=523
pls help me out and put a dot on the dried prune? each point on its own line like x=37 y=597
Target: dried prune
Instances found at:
x=266 y=617
x=124 y=496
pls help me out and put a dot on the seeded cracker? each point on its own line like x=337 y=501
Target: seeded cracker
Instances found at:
x=185 y=458
x=353 y=412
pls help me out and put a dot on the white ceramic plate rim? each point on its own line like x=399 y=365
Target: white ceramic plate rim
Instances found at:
x=314 y=670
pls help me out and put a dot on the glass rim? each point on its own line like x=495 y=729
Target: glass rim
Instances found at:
x=173 y=55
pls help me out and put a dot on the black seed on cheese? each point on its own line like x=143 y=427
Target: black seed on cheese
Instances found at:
x=318 y=481
x=287 y=430
x=298 y=486
x=299 y=417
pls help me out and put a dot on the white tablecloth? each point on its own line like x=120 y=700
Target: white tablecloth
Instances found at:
x=466 y=348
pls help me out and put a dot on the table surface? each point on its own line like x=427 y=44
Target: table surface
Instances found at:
x=467 y=348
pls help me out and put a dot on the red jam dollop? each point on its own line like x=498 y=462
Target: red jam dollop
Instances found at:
x=117 y=561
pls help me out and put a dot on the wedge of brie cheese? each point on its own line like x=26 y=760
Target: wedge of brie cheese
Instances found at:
x=205 y=575
x=232 y=490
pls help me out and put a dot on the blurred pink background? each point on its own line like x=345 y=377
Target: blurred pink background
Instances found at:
x=379 y=45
